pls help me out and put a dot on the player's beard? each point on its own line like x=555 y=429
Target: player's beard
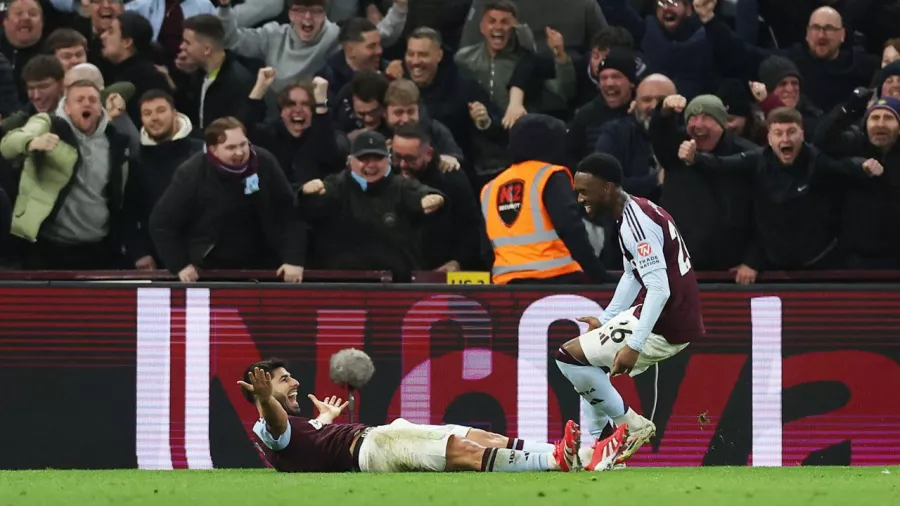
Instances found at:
x=292 y=408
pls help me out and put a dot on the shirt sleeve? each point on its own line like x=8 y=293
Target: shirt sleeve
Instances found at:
x=657 y=284
x=626 y=292
x=275 y=444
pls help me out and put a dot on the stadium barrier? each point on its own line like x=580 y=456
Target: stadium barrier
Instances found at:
x=126 y=375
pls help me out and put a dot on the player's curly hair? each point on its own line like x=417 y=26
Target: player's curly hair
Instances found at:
x=268 y=365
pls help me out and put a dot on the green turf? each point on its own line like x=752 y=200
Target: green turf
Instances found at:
x=818 y=486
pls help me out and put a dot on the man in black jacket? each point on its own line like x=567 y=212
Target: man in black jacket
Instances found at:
x=454 y=98
x=795 y=190
x=451 y=236
x=166 y=143
x=302 y=137
x=617 y=76
x=229 y=208
x=220 y=87
x=829 y=70
x=871 y=208
x=714 y=214
x=127 y=44
x=627 y=139
x=367 y=217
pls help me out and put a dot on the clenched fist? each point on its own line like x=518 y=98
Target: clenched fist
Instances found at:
x=320 y=89
x=431 y=203
x=687 y=152
x=394 y=70
x=45 y=142
x=675 y=103
x=873 y=167
x=705 y=9
x=314 y=187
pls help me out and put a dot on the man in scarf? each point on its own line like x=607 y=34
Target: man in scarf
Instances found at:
x=229 y=207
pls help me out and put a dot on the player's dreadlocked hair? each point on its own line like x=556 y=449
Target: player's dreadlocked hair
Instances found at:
x=268 y=366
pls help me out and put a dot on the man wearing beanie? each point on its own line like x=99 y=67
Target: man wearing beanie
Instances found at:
x=794 y=188
x=616 y=84
x=714 y=214
x=742 y=118
x=830 y=71
x=871 y=207
x=537 y=240
x=887 y=83
x=783 y=89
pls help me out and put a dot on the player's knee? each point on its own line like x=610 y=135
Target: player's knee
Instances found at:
x=488 y=439
x=570 y=353
x=463 y=454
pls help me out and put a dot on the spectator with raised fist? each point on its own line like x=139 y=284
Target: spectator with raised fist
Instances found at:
x=367 y=217
x=713 y=213
x=871 y=208
x=671 y=41
x=302 y=138
x=830 y=71
x=795 y=189
x=299 y=49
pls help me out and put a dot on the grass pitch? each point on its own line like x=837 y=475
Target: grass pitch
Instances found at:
x=817 y=486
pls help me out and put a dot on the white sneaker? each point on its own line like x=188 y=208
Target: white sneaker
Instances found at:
x=640 y=431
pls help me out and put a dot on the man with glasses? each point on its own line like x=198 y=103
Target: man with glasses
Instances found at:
x=300 y=49
x=672 y=41
x=451 y=238
x=830 y=72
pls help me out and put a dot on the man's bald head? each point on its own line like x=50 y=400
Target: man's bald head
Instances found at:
x=653 y=89
x=85 y=72
x=825 y=33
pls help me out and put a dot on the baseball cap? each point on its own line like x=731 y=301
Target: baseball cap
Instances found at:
x=369 y=143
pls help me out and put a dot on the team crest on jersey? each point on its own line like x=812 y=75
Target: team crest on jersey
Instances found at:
x=644 y=250
x=509 y=201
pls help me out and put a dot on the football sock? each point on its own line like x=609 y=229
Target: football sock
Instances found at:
x=501 y=460
x=598 y=426
x=593 y=385
x=529 y=446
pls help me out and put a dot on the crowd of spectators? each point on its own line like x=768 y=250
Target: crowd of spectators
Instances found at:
x=191 y=135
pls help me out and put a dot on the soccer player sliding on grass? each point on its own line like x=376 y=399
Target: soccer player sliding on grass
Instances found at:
x=627 y=338
x=292 y=443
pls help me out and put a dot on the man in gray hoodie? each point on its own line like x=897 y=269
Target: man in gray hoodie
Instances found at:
x=299 y=49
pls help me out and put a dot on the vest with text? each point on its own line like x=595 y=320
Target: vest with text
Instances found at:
x=525 y=243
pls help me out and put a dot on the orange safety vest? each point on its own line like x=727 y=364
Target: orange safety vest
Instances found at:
x=526 y=246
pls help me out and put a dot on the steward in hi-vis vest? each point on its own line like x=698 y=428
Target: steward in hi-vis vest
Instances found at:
x=533 y=221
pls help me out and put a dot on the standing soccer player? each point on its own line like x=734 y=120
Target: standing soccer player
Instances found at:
x=627 y=338
x=293 y=443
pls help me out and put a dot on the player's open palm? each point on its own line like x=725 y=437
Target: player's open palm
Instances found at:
x=259 y=384
x=331 y=406
x=592 y=323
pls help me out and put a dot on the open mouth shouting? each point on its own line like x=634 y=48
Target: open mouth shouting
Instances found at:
x=787 y=152
x=307 y=30
x=498 y=39
x=292 y=399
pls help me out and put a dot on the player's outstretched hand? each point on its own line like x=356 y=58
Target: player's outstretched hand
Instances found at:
x=260 y=384
x=593 y=323
x=332 y=406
